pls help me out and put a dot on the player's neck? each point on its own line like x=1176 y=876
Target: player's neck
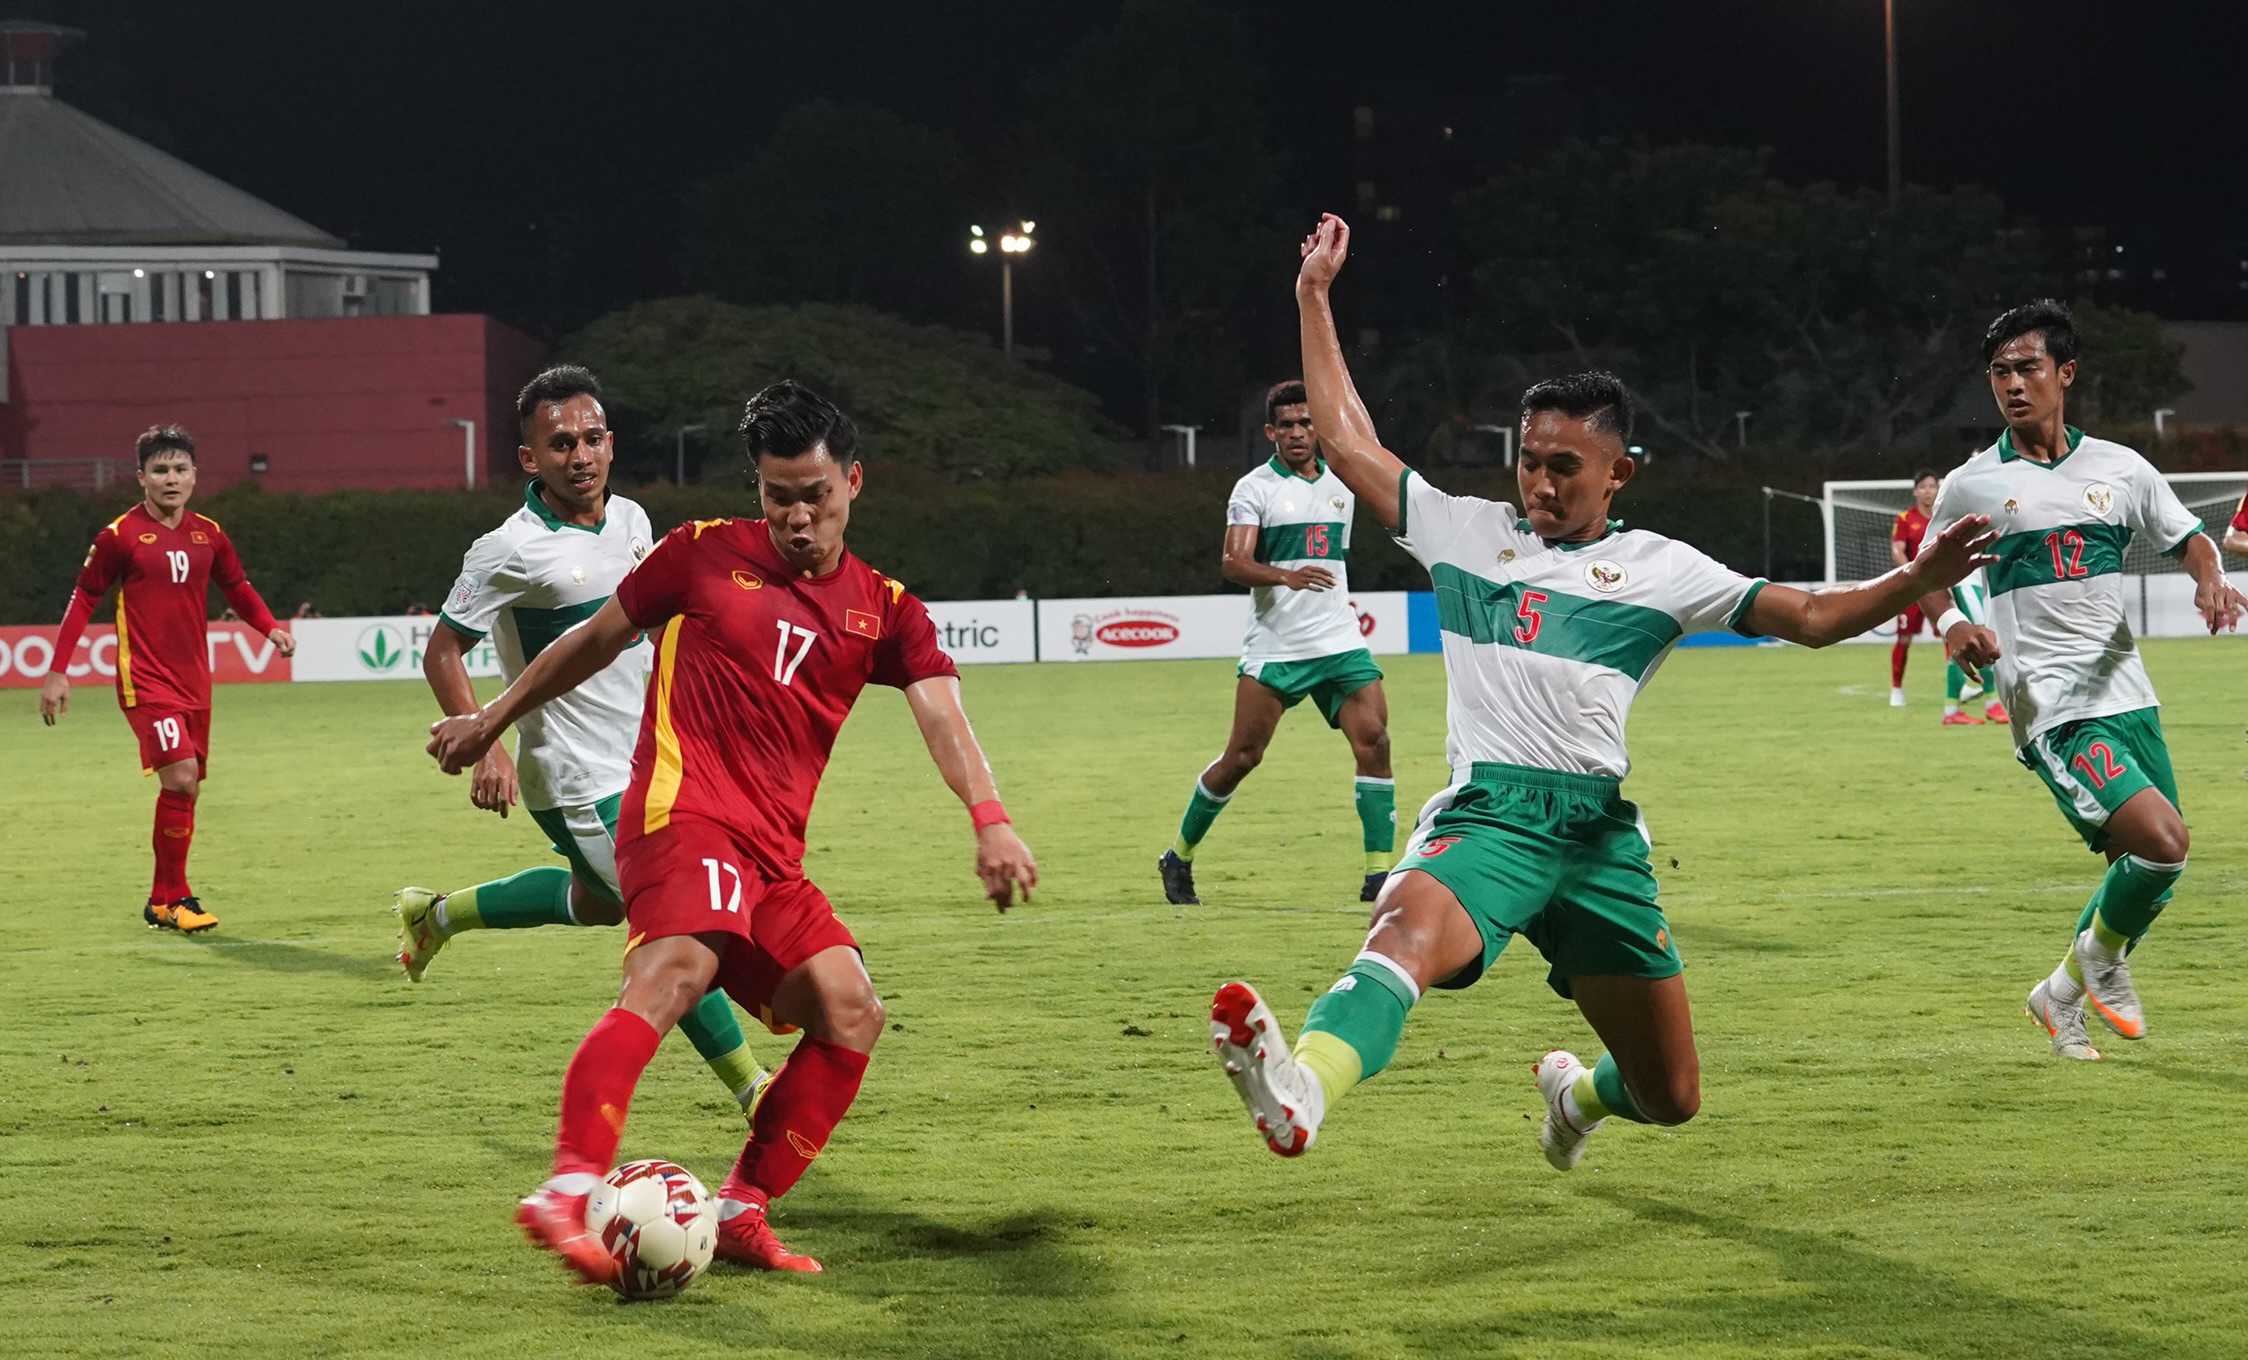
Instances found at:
x=2046 y=441
x=156 y=512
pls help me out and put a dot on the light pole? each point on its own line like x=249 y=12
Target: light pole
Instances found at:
x=1011 y=244
x=468 y=452
x=679 y=449
x=1896 y=146
x=1740 y=428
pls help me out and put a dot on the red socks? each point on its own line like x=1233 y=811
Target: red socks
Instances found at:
x=175 y=831
x=1897 y=655
x=800 y=1109
x=598 y=1091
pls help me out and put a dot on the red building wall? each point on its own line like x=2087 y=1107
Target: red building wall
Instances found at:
x=362 y=402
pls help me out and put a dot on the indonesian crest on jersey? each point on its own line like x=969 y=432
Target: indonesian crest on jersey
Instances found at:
x=1336 y=502
x=2098 y=497
x=1604 y=576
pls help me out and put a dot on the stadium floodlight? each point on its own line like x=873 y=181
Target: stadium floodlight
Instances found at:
x=1011 y=244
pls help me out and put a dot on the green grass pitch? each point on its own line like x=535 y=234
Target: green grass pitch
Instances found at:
x=264 y=1142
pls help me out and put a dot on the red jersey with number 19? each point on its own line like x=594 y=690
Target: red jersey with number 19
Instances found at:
x=756 y=668
x=163 y=576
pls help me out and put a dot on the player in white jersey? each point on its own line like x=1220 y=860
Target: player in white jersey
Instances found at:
x=1553 y=617
x=1287 y=538
x=2084 y=714
x=552 y=564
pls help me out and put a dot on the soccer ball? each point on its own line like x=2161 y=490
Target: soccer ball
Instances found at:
x=658 y=1222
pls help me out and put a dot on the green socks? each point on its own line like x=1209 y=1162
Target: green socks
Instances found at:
x=535 y=897
x=1377 y=819
x=2128 y=899
x=1955 y=682
x=1352 y=1031
x=717 y=1035
x=1202 y=808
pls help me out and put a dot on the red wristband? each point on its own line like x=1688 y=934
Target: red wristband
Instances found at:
x=990 y=812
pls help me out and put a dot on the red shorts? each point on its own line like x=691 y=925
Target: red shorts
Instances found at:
x=171 y=735
x=1911 y=623
x=695 y=877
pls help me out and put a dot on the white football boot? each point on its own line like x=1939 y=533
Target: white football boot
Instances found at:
x=1559 y=1137
x=1282 y=1097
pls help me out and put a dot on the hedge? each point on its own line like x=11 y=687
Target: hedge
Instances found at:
x=373 y=552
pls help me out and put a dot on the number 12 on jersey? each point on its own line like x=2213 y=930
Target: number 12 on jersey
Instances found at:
x=784 y=665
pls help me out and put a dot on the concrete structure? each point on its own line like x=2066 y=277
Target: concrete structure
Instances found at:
x=115 y=260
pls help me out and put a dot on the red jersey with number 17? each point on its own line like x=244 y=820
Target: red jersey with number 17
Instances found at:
x=756 y=668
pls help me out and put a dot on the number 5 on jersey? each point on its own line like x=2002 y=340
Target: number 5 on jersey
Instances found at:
x=784 y=664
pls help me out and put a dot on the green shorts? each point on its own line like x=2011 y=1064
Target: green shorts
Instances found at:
x=1561 y=858
x=2094 y=766
x=1326 y=680
x=586 y=835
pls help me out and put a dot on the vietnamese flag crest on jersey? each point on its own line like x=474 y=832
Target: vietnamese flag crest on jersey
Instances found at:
x=866 y=625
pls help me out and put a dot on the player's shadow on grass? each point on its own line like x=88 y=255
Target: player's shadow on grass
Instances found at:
x=281 y=957
x=1843 y=1294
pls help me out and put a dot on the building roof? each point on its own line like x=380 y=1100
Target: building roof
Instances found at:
x=74 y=180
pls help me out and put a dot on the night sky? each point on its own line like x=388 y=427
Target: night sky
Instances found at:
x=472 y=127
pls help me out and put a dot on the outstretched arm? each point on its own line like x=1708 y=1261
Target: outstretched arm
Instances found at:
x=574 y=658
x=1002 y=860
x=1822 y=618
x=1346 y=431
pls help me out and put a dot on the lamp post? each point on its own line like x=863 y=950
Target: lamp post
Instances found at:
x=468 y=451
x=679 y=450
x=1896 y=146
x=1740 y=428
x=1011 y=244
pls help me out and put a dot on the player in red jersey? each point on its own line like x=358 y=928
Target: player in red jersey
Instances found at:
x=2236 y=533
x=163 y=559
x=766 y=633
x=1905 y=534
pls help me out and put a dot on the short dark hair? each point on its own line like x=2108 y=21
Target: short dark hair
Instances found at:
x=2045 y=315
x=1289 y=393
x=559 y=383
x=158 y=439
x=788 y=419
x=1924 y=474
x=1599 y=399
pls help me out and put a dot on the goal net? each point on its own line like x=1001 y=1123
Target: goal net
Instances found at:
x=1858 y=517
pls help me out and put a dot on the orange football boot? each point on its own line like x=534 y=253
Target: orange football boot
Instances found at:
x=747 y=1239
x=185 y=915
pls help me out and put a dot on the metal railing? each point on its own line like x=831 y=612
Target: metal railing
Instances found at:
x=87 y=474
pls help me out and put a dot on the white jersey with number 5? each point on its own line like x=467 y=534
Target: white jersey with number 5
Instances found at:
x=2056 y=592
x=1300 y=522
x=525 y=584
x=1547 y=644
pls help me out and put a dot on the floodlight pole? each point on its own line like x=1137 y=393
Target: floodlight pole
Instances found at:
x=468 y=449
x=679 y=450
x=1007 y=308
x=1896 y=146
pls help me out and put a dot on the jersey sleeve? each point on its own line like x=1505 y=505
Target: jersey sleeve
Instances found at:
x=491 y=578
x=1428 y=520
x=1245 y=506
x=909 y=651
x=655 y=592
x=2158 y=514
x=105 y=562
x=1710 y=595
x=1901 y=532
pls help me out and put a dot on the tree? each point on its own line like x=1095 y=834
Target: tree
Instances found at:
x=2129 y=367
x=922 y=396
x=1713 y=287
x=844 y=203
x=1157 y=183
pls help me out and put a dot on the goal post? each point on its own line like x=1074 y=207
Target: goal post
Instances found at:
x=1857 y=516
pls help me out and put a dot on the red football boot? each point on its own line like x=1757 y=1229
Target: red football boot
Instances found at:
x=747 y=1239
x=1996 y=712
x=1961 y=719
x=556 y=1221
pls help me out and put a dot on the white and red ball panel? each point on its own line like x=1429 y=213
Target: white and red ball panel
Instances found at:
x=658 y=1222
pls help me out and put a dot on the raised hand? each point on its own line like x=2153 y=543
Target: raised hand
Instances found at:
x=1955 y=554
x=1324 y=252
